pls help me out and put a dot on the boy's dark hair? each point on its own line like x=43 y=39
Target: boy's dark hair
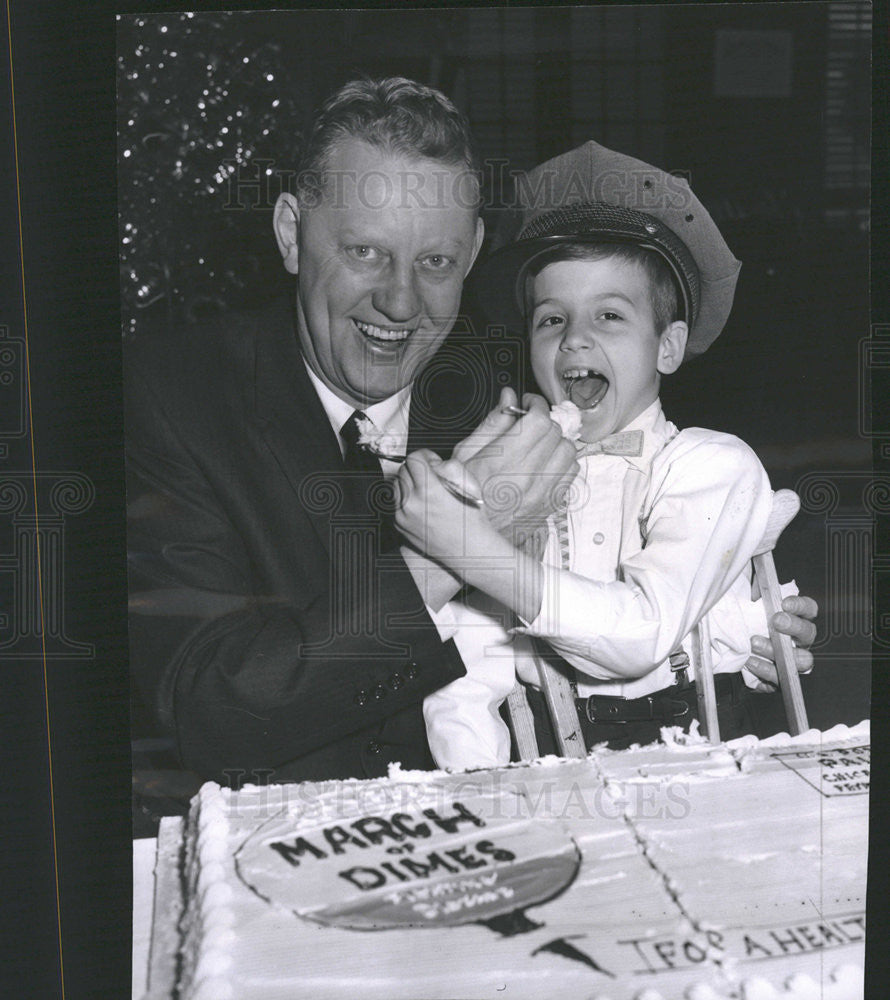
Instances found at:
x=396 y=115
x=663 y=293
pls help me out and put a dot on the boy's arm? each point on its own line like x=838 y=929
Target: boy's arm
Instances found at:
x=710 y=499
x=711 y=502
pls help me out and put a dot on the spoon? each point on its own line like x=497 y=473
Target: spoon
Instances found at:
x=452 y=488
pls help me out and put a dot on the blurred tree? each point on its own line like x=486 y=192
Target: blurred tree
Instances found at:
x=207 y=136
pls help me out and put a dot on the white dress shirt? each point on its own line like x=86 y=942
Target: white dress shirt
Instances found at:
x=655 y=542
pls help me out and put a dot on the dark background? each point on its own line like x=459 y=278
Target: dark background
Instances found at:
x=778 y=151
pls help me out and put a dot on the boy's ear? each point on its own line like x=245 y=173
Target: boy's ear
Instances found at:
x=671 y=347
x=286 y=223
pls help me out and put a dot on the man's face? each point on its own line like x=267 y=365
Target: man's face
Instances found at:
x=593 y=340
x=381 y=261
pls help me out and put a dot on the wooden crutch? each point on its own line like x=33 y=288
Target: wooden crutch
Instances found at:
x=786 y=504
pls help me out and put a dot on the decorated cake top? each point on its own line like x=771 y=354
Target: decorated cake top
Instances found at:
x=731 y=872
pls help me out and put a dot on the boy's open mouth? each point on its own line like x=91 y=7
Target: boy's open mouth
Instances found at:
x=585 y=387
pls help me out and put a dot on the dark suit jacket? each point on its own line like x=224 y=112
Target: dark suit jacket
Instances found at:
x=266 y=628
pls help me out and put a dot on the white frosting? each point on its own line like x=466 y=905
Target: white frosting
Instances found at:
x=845 y=983
x=376 y=439
x=210 y=917
x=663 y=834
x=568 y=416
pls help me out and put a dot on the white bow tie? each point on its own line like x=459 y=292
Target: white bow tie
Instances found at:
x=623 y=443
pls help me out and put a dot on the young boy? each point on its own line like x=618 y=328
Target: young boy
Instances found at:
x=618 y=274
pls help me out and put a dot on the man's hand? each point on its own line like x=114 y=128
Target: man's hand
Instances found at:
x=522 y=463
x=796 y=620
x=431 y=519
x=460 y=536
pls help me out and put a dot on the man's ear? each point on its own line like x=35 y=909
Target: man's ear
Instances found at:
x=286 y=223
x=477 y=244
x=671 y=347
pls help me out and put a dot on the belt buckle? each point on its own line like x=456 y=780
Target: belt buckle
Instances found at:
x=590 y=710
x=679 y=715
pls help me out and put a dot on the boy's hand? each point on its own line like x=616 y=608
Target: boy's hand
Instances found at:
x=795 y=619
x=521 y=463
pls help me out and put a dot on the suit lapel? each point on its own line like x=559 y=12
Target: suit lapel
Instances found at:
x=293 y=421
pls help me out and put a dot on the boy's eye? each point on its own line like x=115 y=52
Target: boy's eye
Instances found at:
x=609 y=315
x=549 y=321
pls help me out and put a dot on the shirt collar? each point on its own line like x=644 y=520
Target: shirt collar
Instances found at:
x=390 y=415
x=657 y=431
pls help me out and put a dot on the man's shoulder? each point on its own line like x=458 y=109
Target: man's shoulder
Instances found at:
x=199 y=358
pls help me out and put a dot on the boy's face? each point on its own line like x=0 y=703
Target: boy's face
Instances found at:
x=593 y=340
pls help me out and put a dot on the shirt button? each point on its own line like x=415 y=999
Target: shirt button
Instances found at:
x=396 y=681
x=374 y=747
x=379 y=692
x=599 y=538
x=361 y=698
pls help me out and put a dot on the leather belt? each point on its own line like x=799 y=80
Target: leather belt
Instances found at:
x=674 y=702
x=654 y=707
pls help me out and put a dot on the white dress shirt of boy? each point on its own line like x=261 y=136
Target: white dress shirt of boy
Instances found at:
x=655 y=541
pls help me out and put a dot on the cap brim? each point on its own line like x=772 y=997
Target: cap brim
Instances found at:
x=495 y=283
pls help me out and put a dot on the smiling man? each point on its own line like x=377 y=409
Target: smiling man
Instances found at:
x=276 y=626
x=381 y=266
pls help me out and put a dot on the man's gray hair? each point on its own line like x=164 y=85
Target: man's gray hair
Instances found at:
x=396 y=115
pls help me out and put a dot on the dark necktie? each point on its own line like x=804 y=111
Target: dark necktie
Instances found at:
x=355 y=457
x=367 y=483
